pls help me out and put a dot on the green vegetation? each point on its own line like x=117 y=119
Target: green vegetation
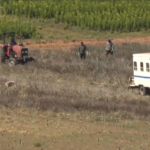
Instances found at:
x=36 y=18
x=22 y=27
x=37 y=144
x=110 y=15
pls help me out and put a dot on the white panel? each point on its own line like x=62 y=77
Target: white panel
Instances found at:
x=141 y=77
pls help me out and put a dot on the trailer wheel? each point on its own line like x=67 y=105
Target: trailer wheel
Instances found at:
x=12 y=62
x=143 y=90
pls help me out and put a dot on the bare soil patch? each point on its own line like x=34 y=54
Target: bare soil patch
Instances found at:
x=68 y=44
x=30 y=129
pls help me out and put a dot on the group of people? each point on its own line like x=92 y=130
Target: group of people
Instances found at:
x=83 y=49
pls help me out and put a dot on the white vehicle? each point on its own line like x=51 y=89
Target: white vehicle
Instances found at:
x=141 y=72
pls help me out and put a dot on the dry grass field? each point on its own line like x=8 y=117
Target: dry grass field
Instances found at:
x=23 y=129
x=61 y=102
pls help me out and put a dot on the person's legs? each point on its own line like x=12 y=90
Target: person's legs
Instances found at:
x=107 y=52
x=84 y=56
x=112 y=53
x=81 y=56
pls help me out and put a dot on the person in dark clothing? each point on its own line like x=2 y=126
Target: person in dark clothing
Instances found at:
x=82 y=51
x=12 y=43
x=109 y=47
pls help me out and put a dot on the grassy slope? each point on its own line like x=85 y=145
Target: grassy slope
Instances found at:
x=51 y=31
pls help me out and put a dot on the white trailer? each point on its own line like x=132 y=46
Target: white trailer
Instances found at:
x=141 y=72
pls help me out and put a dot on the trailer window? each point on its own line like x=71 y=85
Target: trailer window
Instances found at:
x=135 y=65
x=141 y=66
x=147 y=67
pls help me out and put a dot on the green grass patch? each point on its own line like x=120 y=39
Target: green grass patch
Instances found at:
x=37 y=145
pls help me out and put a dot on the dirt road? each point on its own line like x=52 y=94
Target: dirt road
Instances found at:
x=67 y=44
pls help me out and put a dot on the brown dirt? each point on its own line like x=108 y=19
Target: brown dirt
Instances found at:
x=22 y=129
x=68 y=44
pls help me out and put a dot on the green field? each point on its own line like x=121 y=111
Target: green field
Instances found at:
x=120 y=16
x=110 y=15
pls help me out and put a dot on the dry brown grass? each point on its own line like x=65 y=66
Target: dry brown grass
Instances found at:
x=88 y=104
x=31 y=129
x=59 y=81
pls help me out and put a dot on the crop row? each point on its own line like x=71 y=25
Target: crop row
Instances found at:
x=114 y=15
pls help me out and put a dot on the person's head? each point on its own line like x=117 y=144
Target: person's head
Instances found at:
x=81 y=43
x=109 y=40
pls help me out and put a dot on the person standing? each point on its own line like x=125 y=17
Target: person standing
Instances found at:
x=12 y=43
x=82 y=51
x=109 y=47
